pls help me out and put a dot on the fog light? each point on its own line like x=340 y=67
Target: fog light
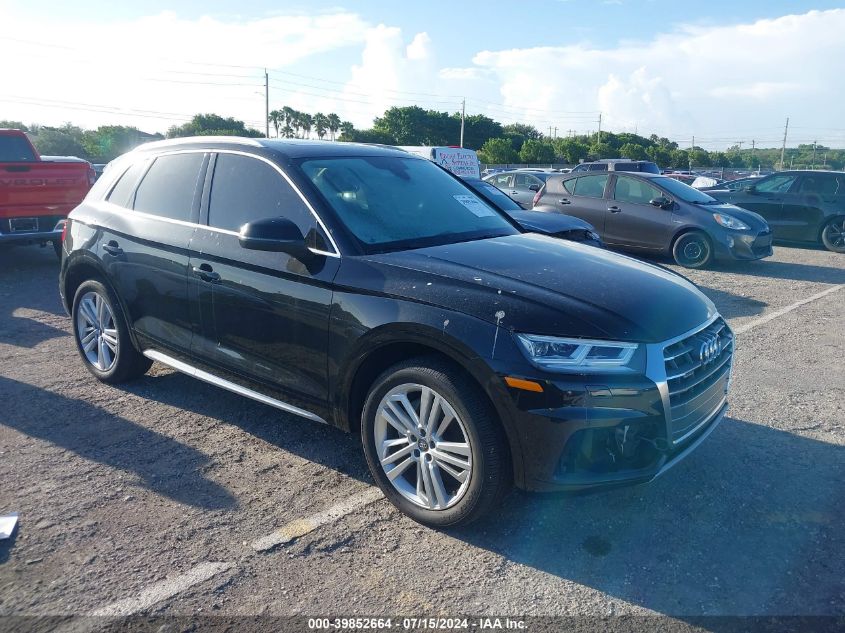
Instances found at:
x=730 y=241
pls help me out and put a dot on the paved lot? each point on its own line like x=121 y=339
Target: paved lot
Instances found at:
x=155 y=496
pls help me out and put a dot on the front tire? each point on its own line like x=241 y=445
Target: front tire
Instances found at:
x=102 y=336
x=433 y=443
x=693 y=250
x=833 y=235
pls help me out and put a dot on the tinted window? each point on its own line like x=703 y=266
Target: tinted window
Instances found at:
x=683 y=191
x=126 y=184
x=168 y=188
x=569 y=185
x=590 y=186
x=649 y=168
x=246 y=189
x=819 y=184
x=776 y=184
x=634 y=191
x=15 y=149
x=497 y=196
x=598 y=167
x=392 y=203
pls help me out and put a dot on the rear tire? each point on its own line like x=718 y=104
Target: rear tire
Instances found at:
x=833 y=235
x=102 y=336
x=693 y=250
x=407 y=451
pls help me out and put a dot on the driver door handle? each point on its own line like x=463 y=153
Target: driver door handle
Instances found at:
x=206 y=273
x=564 y=201
x=614 y=209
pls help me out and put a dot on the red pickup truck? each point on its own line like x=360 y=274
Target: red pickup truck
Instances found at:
x=36 y=195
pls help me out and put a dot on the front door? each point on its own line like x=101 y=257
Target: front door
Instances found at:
x=525 y=186
x=632 y=220
x=587 y=200
x=262 y=315
x=766 y=197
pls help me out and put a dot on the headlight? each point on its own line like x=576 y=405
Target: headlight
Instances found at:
x=730 y=222
x=551 y=352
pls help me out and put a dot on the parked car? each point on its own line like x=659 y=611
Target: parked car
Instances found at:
x=367 y=288
x=519 y=185
x=653 y=213
x=559 y=225
x=732 y=185
x=800 y=206
x=36 y=194
x=618 y=164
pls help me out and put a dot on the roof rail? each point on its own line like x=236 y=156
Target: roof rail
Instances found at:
x=185 y=140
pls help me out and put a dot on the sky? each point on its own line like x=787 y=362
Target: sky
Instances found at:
x=717 y=73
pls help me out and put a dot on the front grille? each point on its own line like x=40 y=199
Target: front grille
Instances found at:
x=697 y=374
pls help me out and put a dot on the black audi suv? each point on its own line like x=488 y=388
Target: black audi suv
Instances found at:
x=362 y=287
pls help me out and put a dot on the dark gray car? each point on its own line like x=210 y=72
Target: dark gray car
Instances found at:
x=520 y=185
x=653 y=213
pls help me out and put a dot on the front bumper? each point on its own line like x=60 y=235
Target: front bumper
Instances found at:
x=606 y=430
x=737 y=245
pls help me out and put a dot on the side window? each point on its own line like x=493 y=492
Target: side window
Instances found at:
x=591 y=186
x=568 y=185
x=776 y=184
x=526 y=180
x=169 y=186
x=501 y=180
x=126 y=184
x=821 y=184
x=598 y=167
x=246 y=189
x=634 y=191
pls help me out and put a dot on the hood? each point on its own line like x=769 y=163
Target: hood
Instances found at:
x=543 y=285
x=549 y=223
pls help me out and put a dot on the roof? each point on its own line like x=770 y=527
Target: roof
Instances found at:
x=289 y=148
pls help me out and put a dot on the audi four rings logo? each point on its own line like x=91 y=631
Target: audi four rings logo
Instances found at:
x=710 y=349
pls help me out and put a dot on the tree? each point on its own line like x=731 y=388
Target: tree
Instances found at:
x=347 y=130
x=699 y=157
x=275 y=118
x=411 y=125
x=212 y=125
x=497 y=151
x=534 y=151
x=288 y=115
x=478 y=129
x=602 y=150
x=679 y=158
x=53 y=142
x=307 y=123
x=634 y=151
x=108 y=142
x=14 y=125
x=321 y=124
x=333 y=123
x=524 y=130
x=660 y=155
x=570 y=150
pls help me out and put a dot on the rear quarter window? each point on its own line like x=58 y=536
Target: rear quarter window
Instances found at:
x=169 y=187
x=126 y=184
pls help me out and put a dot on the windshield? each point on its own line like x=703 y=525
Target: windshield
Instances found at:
x=392 y=203
x=684 y=192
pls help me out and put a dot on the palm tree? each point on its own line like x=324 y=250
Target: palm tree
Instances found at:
x=275 y=118
x=347 y=129
x=307 y=123
x=321 y=123
x=287 y=116
x=296 y=123
x=333 y=123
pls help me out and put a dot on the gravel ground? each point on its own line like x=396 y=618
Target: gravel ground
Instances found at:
x=122 y=488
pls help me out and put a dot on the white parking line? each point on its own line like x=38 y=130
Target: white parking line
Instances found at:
x=162 y=590
x=779 y=313
x=301 y=527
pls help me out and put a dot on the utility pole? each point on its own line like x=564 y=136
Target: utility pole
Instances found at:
x=550 y=131
x=598 y=142
x=570 y=133
x=824 y=164
x=266 y=104
x=555 y=131
x=463 y=116
x=752 y=153
x=783 y=147
x=814 y=155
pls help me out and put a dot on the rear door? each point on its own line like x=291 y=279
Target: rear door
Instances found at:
x=803 y=211
x=263 y=315
x=587 y=199
x=766 y=198
x=144 y=244
x=502 y=181
x=632 y=220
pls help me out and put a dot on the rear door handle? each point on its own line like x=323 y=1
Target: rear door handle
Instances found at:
x=206 y=273
x=614 y=209
x=112 y=248
x=564 y=201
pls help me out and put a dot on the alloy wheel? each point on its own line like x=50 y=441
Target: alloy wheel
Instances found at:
x=833 y=236
x=96 y=330
x=423 y=446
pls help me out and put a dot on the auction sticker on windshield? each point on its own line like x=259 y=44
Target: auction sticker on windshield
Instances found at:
x=475 y=205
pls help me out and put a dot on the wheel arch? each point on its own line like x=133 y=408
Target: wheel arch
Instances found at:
x=387 y=346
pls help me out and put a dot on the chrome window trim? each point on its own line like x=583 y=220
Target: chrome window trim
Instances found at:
x=111 y=207
x=195 y=372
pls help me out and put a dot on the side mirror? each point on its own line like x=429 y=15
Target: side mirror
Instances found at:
x=273 y=234
x=661 y=202
x=750 y=189
x=534 y=187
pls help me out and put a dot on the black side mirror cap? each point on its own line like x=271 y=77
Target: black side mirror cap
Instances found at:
x=750 y=189
x=663 y=203
x=273 y=234
x=534 y=187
